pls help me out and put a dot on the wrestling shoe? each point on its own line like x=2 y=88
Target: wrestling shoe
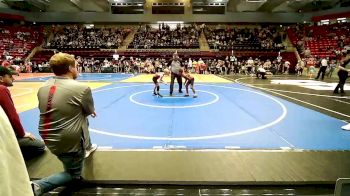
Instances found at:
x=90 y=150
x=346 y=127
x=36 y=188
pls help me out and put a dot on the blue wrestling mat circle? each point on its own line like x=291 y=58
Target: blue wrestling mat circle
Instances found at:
x=179 y=101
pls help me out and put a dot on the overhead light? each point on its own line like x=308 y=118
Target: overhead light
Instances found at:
x=89 y=26
x=341 y=18
x=170 y=22
x=256 y=1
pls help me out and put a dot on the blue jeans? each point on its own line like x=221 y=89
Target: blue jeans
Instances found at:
x=73 y=164
x=31 y=148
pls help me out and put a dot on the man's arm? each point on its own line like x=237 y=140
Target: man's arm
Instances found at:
x=88 y=103
x=10 y=110
x=161 y=80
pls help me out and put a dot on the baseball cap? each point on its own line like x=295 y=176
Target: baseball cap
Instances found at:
x=5 y=71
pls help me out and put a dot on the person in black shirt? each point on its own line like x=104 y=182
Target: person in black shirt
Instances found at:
x=343 y=74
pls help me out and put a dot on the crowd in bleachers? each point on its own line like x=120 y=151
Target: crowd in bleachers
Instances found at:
x=87 y=42
x=165 y=37
x=77 y=37
x=16 y=42
x=228 y=38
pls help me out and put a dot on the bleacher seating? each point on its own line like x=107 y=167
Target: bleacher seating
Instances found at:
x=237 y=38
x=323 y=40
x=42 y=56
x=18 y=41
x=79 y=37
x=164 y=37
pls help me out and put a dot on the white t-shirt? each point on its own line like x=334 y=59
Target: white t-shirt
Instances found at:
x=262 y=70
x=324 y=63
x=233 y=58
x=189 y=64
x=250 y=62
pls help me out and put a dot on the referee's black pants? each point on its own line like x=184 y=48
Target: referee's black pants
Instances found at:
x=179 y=81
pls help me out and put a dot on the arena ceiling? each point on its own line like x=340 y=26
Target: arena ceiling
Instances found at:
x=231 y=5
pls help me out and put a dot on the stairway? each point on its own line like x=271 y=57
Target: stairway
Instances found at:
x=203 y=43
x=289 y=45
x=127 y=40
x=50 y=36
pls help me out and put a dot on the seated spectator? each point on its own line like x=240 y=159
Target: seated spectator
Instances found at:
x=30 y=146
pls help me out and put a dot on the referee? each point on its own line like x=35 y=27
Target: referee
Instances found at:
x=175 y=73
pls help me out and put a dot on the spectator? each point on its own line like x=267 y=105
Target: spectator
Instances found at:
x=286 y=67
x=30 y=146
x=64 y=106
x=307 y=52
x=300 y=67
x=332 y=67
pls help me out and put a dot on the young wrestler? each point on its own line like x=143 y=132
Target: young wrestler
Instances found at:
x=189 y=80
x=157 y=78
